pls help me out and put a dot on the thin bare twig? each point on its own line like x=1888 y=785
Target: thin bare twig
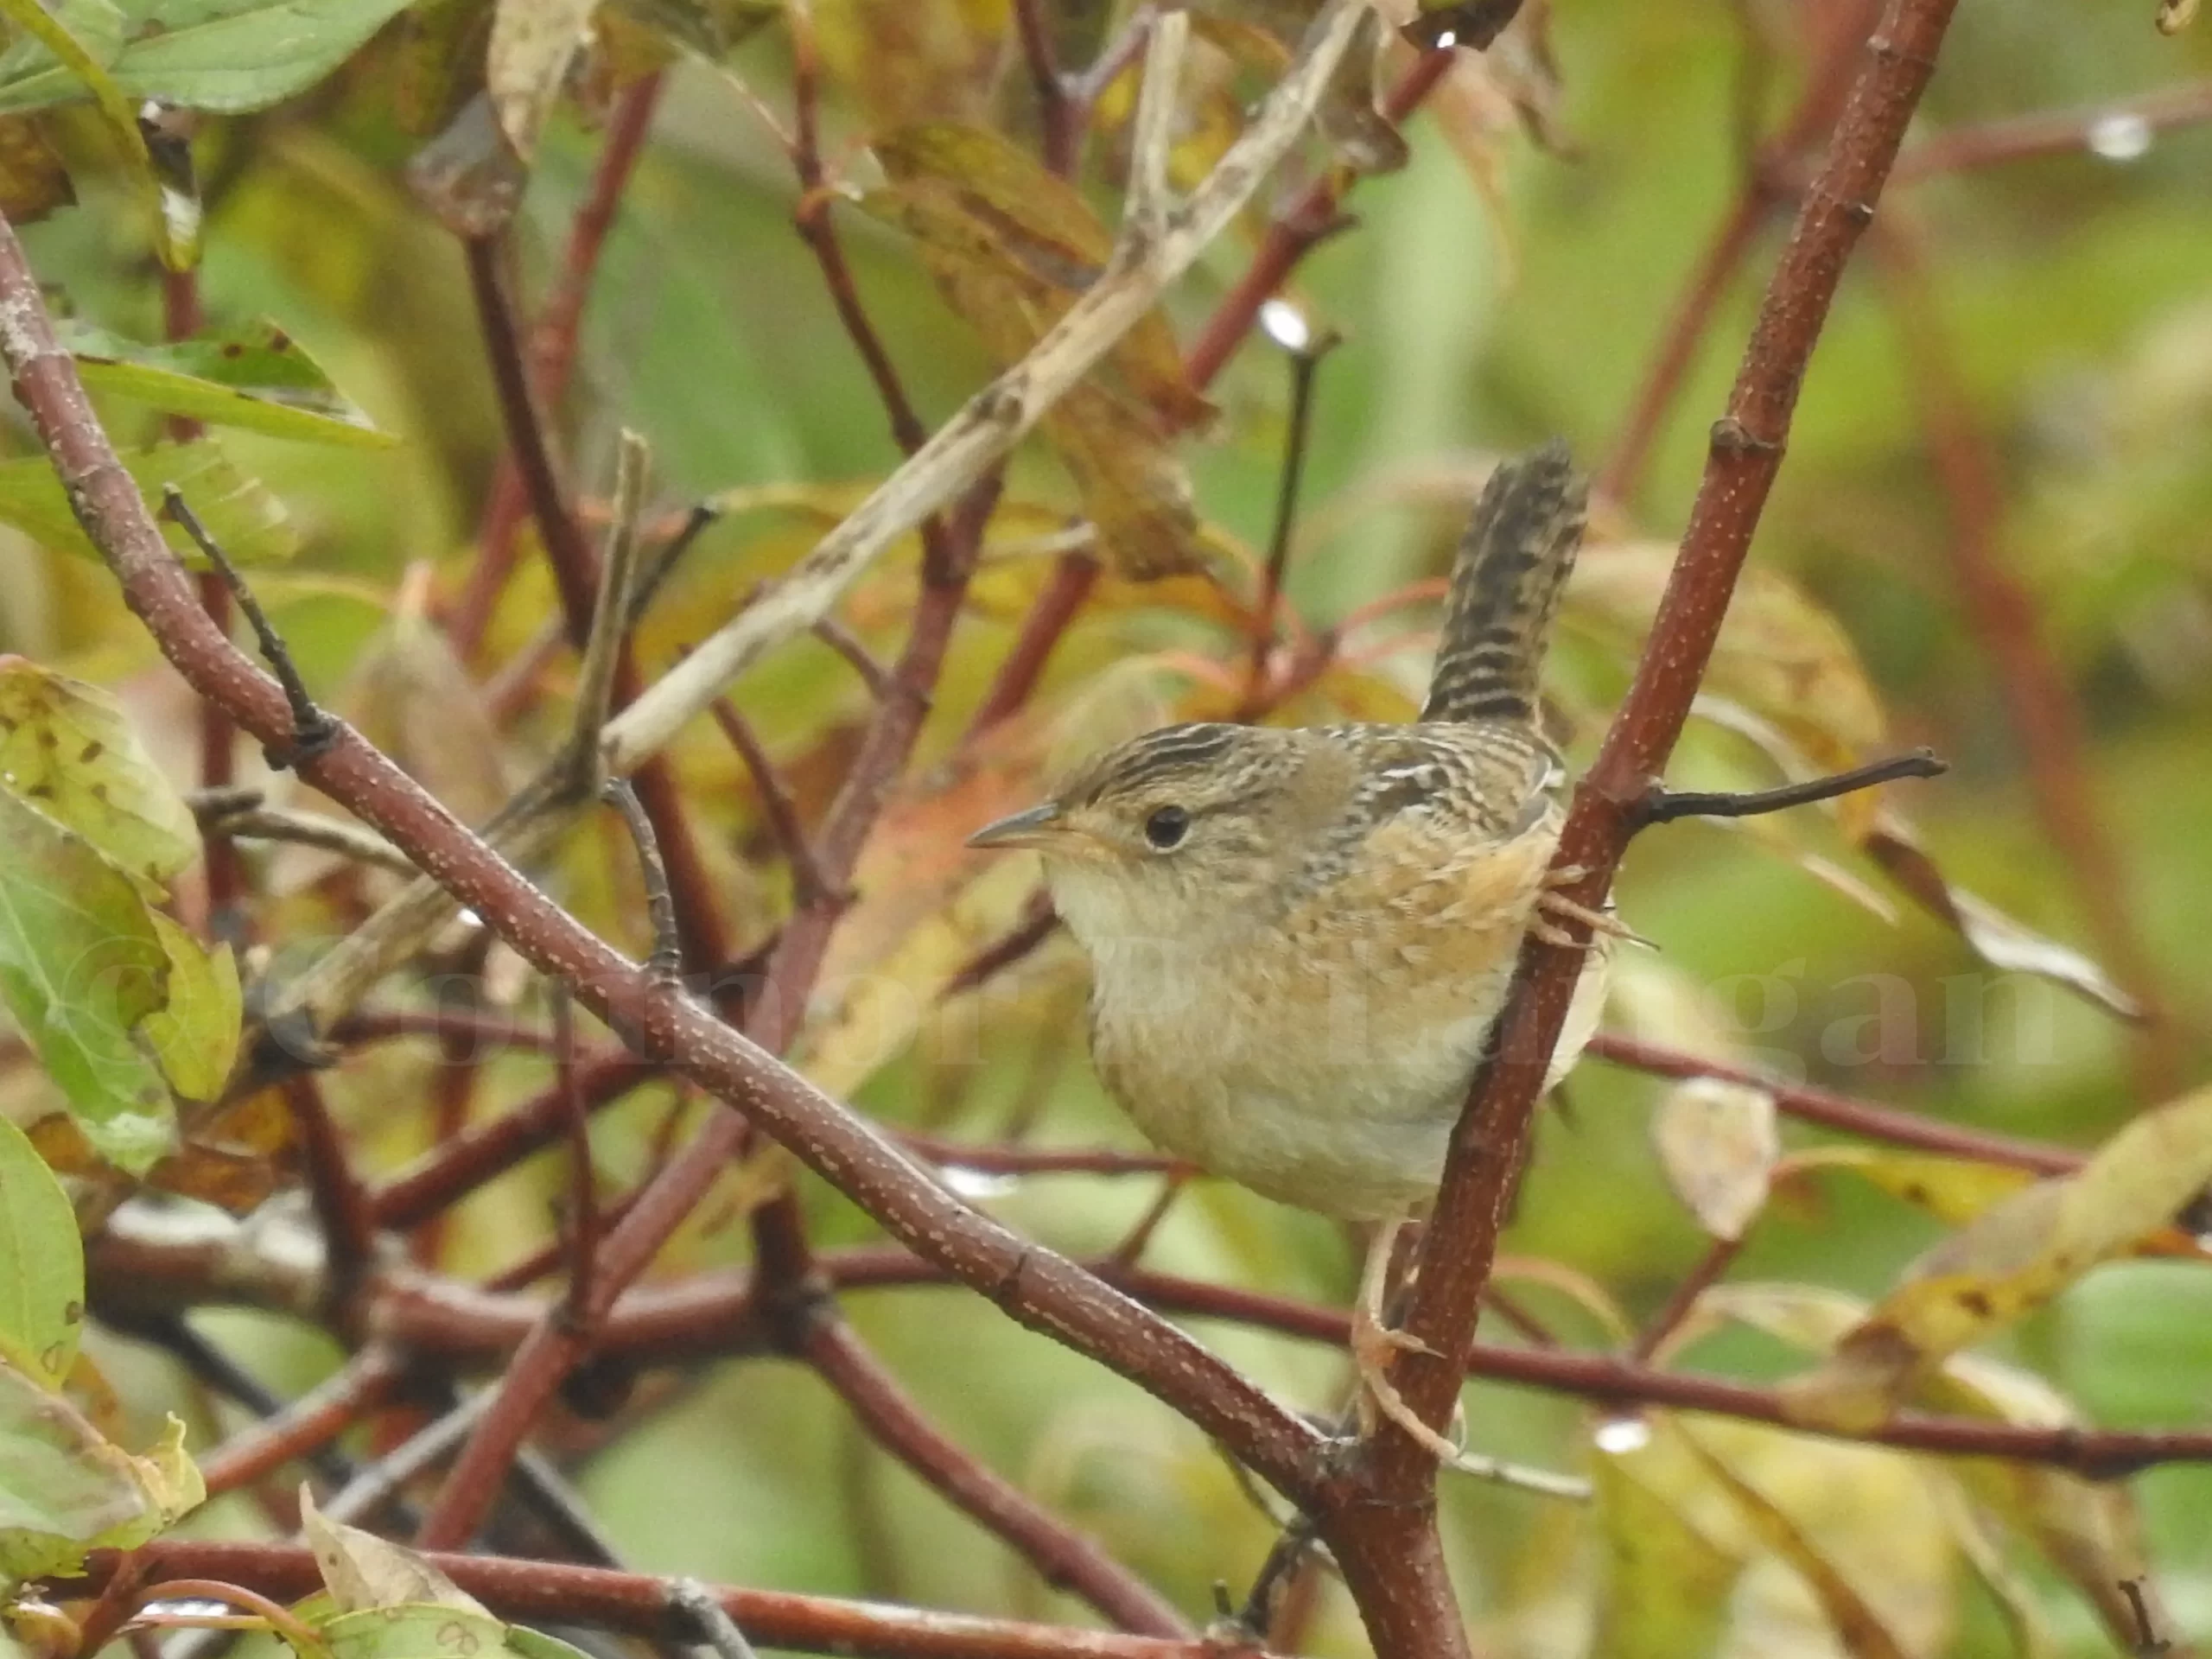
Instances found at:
x=611 y=612
x=809 y=887
x=1149 y=204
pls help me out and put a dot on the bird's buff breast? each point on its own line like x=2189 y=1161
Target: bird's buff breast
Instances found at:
x=1332 y=1091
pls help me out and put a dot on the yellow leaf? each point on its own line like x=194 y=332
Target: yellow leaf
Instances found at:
x=2017 y=1256
x=1862 y=1630
x=1952 y=1190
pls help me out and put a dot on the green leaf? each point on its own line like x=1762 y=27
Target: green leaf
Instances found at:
x=41 y=1263
x=81 y=963
x=195 y=1038
x=256 y=377
x=65 y=1487
x=246 y=521
x=229 y=56
x=68 y=750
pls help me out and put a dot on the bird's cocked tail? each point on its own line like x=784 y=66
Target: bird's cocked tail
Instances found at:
x=1505 y=588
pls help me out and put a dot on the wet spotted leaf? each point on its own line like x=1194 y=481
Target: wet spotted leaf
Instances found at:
x=41 y=1265
x=1860 y=1627
x=255 y=376
x=2089 y=1531
x=68 y=750
x=363 y=1573
x=195 y=1035
x=1952 y=1190
x=66 y=1488
x=81 y=965
x=247 y=522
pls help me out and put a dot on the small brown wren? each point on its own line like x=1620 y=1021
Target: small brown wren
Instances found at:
x=1299 y=937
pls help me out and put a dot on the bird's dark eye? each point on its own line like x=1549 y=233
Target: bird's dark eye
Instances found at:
x=1167 y=826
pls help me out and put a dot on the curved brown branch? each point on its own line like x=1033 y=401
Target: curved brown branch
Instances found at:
x=1489 y=1143
x=638 y=1603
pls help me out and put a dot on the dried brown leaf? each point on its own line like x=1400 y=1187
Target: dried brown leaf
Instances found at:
x=910 y=60
x=33 y=181
x=527 y=59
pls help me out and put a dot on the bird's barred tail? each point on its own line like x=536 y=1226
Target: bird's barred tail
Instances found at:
x=1505 y=587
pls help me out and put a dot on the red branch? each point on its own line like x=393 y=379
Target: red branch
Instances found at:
x=638 y=1603
x=1392 y=1563
x=1843 y=1113
x=719 y=1315
x=1064 y=1558
x=1768 y=180
x=553 y=353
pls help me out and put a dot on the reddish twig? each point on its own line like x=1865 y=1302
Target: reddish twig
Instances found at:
x=341 y=1205
x=1074 y=576
x=576 y=575
x=997 y=1159
x=182 y=318
x=638 y=1603
x=2055 y=132
x=1720 y=1256
x=835 y=635
x=808 y=885
x=1770 y=182
x=367 y=1384
x=584 y=1219
x=718 y=1315
x=1391 y=1562
x=479 y=1155
x=1058 y=119
x=553 y=353
x=1063 y=1558
x=1842 y=1113
x=464 y=1030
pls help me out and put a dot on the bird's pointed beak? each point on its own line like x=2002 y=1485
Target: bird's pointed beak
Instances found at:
x=1039 y=826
